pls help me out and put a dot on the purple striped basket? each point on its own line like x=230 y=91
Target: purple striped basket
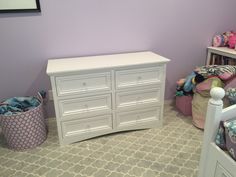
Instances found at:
x=25 y=130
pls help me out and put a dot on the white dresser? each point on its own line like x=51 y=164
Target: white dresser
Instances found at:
x=104 y=94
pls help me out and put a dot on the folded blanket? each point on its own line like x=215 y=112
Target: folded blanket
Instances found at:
x=224 y=72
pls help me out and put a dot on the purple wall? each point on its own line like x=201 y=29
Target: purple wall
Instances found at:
x=180 y=30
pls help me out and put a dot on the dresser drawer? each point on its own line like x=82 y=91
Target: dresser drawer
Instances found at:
x=221 y=171
x=87 y=126
x=137 y=117
x=138 y=77
x=83 y=106
x=77 y=84
x=138 y=98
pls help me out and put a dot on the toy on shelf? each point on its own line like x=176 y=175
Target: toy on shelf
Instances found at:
x=227 y=39
x=221 y=40
x=232 y=41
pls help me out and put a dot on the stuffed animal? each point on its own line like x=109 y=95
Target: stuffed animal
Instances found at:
x=221 y=40
x=185 y=86
x=188 y=85
x=198 y=78
x=232 y=41
x=180 y=82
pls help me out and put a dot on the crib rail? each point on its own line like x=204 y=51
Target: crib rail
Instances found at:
x=213 y=118
x=228 y=113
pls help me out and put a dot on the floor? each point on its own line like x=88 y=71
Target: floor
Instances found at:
x=172 y=151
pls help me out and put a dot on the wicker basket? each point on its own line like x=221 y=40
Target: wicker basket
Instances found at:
x=25 y=130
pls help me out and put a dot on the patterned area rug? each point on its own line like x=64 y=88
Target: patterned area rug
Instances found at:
x=170 y=151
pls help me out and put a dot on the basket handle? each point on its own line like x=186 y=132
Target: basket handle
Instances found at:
x=39 y=96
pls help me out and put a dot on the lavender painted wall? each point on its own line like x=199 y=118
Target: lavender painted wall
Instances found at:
x=180 y=30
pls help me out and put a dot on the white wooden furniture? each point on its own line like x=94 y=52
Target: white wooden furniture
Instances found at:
x=104 y=94
x=215 y=162
x=222 y=51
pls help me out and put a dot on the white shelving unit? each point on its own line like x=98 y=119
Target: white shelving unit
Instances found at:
x=223 y=51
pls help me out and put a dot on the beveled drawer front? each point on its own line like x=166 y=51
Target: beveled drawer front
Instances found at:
x=88 y=125
x=80 y=106
x=125 y=119
x=139 y=97
x=68 y=85
x=138 y=77
x=221 y=171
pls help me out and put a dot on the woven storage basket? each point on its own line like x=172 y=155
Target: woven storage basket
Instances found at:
x=25 y=130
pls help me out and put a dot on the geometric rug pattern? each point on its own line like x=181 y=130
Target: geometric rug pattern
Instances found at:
x=170 y=151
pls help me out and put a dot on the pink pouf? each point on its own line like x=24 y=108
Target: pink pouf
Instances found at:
x=184 y=104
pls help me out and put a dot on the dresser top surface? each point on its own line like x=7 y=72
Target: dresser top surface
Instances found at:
x=63 y=65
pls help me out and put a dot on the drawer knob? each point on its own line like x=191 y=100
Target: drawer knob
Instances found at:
x=86 y=106
x=139 y=77
x=84 y=84
x=137 y=118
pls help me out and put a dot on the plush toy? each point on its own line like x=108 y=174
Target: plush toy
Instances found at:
x=180 y=82
x=188 y=85
x=185 y=86
x=192 y=80
x=232 y=41
x=198 y=78
x=179 y=93
x=221 y=40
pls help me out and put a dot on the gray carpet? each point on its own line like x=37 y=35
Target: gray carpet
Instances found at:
x=171 y=151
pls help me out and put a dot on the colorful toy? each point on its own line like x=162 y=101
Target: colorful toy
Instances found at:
x=232 y=41
x=180 y=82
x=198 y=78
x=193 y=79
x=179 y=93
x=185 y=86
x=188 y=85
x=221 y=40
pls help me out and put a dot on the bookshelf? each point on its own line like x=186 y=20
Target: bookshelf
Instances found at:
x=221 y=56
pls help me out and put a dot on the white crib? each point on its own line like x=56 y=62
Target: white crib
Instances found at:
x=214 y=162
